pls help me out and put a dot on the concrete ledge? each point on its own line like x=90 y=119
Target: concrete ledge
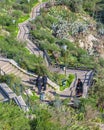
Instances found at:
x=8 y=92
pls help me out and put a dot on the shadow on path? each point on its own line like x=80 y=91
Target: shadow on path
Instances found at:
x=61 y=95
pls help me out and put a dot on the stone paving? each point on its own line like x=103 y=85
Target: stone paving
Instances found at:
x=11 y=67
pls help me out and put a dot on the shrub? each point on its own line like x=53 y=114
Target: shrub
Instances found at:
x=11 y=117
x=14 y=50
x=67 y=82
x=101 y=62
x=22 y=7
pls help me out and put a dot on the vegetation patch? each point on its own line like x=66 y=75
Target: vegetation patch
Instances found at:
x=67 y=82
x=56 y=25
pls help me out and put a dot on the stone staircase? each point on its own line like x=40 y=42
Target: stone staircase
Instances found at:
x=23 y=34
x=36 y=10
x=21 y=103
x=87 y=82
x=8 y=66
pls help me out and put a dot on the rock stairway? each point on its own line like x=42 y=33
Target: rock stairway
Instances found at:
x=84 y=76
x=87 y=82
x=23 y=34
x=8 y=66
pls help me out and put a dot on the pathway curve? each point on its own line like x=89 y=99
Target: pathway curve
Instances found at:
x=9 y=66
x=23 y=35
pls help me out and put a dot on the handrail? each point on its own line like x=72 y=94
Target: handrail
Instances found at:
x=19 y=104
x=54 y=85
x=90 y=78
x=47 y=56
x=16 y=65
x=85 y=78
x=74 y=85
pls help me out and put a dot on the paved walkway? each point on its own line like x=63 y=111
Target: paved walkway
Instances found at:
x=23 y=35
x=9 y=66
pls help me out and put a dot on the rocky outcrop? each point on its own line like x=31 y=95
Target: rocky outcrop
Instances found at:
x=92 y=44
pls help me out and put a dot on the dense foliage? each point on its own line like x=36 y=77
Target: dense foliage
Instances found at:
x=12 y=118
x=54 y=117
x=9 y=46
x=52 y=30
x=12 y=49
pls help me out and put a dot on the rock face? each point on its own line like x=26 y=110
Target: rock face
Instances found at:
x=87 y=42
x=92 y=44
x=4 y=32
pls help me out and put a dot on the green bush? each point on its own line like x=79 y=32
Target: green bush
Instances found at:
x=14 y=50
x=11 y=117
x=67 y=82
x=22 y=7
x=10 y=79
x=44 y=119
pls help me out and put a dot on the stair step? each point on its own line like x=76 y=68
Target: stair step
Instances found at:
x=4 y=64
x=23 y=76
x=26 y=78
x=7 y=68
x=18 y=73
x=13 y=70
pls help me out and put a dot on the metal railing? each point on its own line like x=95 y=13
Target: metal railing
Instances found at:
x=74 y=86
x=47 y=57
x=91 y=78
x=85 y=78
x=23 y=107
x=11 y=61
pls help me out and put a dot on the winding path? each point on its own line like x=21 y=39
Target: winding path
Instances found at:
x=9 y=66
x=23 y=35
